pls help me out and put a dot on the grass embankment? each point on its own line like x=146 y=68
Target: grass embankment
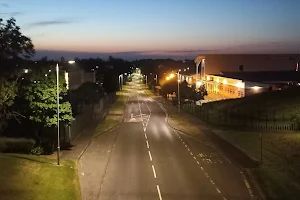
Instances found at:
x=115 y=114
x=282 y=100
x=36 y=177
x=279 y=175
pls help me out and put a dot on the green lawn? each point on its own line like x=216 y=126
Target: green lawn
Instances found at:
x=37 y=178
x=115 y=114
x=279 y=176
x=285 y=100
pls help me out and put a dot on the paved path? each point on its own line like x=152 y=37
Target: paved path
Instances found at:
x=145 y=159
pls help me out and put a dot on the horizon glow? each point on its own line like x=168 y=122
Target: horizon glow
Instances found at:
x=158 y=26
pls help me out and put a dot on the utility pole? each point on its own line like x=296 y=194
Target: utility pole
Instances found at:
x=178 y=96
x=297 y=65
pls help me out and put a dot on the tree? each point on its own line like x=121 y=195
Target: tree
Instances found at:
x=40 y=94
x=8 y=92
x=13 y=44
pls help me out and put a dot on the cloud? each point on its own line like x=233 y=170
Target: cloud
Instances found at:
x=4 y=5
x=48 y=23
x=11 y=14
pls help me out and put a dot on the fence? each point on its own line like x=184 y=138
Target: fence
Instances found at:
x=87 y=114
x=243 y=119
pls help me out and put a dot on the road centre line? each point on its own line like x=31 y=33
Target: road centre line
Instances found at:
x=147 y=144
x=158 y=190
x=153 y=169
x=150 y=155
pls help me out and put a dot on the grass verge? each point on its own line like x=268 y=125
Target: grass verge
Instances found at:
x=115 y=114
x=278 y=176
x=35 y=177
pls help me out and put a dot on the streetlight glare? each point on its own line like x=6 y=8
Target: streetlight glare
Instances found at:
x=199 y=83
x=168 y=78
x=71 y=61
x=172 y=76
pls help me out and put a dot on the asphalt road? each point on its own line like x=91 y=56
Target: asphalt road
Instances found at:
x=146 y=159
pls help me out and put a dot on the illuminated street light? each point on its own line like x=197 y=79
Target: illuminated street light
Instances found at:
x=256 y=87
x=199 y=83
x=172 y=76
x=168 y=78
x=57 y=101
x=26 y=71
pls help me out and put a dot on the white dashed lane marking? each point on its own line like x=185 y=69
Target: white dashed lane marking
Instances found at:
x=150 y=155
x=158 y=191
x=147 y=144
x=154 y=173
x=203 y=159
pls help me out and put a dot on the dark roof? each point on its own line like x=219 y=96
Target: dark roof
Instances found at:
x=264 y=76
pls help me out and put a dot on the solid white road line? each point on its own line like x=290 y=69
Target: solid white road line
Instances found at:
x=153 y=169
x=150 y=155
x=158 y=190
x=147 y=144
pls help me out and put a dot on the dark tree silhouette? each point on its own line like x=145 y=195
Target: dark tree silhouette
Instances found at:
x=13 y=44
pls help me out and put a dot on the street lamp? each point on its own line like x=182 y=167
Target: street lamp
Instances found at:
x=57 y=101
x=178 y=96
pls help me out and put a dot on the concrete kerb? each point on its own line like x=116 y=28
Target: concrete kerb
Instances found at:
x=245 y=173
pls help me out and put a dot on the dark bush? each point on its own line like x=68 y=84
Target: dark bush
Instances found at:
x=16 y=145
x=37 y=151
x=47 y=145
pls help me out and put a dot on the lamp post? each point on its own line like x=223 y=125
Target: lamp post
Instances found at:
x=197 y=71
x=178 y=96
x=57 y=102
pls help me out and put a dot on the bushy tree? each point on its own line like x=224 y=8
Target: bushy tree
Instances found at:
x=8 y=92
x=40 y=94
x=13 y=44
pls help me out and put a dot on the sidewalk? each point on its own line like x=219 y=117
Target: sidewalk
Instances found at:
x=83 y=139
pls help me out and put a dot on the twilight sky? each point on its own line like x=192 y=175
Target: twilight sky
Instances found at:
x=159 y=27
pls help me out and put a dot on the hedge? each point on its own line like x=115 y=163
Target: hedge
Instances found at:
x=16 y=145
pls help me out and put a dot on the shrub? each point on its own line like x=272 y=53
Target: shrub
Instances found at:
x=37 y=151
x=47 y=145
x=16 y=145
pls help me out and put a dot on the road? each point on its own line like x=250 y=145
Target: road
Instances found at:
x=144 y=158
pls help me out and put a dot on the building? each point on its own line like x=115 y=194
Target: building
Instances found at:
x=214 y=64
x=232 y=87
x=236 y=76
